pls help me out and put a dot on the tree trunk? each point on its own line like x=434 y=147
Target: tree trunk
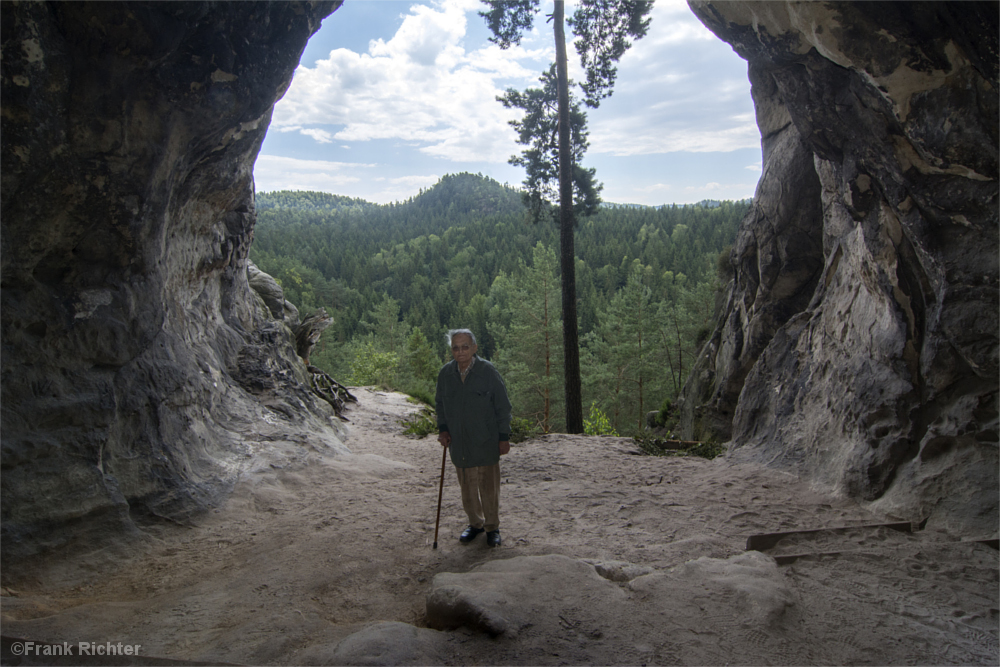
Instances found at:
x=642 y=365
x=548 y=356
x=571 y=347
x=309 y=331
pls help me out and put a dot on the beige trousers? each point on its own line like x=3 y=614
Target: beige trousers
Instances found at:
x=481 y=495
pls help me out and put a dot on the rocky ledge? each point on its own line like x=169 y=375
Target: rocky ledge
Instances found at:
x=141 y=372
x=858 y=342
x=139 y=369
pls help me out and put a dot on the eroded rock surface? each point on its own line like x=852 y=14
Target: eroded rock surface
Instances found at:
x=859 y=343
x=139 y=370
x=705 y=611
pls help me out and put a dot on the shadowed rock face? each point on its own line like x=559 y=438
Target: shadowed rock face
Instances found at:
x=138 y=368
x=859 y=339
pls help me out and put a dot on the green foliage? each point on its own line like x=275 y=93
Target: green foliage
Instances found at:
x=459 y=254
x=604 y=29
x=597 y=423
x=419 y=365
x=653 y=446
x=373 y=367
x=385 y=326
x=723 y=266
x=624 y=354
x=707 y=450
x=554 y=129
x=421 y=423
x=308 y=200
x=525 y=321
x=434 y=256
x=521 y=430
x=538 y=130
x=683 y=323
x=663 y=417
x=421 y=394
x=508 y=19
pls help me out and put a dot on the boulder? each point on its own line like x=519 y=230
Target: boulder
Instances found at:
x=502 y=597
x=383 y=643
x=268 y=289
x=859 y=341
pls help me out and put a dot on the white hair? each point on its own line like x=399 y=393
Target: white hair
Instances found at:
x=455 y=332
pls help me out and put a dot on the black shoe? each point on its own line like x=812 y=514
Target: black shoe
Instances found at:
x=493 y=538
x=469 y=534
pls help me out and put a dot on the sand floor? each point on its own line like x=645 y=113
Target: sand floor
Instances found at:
x=311 y=550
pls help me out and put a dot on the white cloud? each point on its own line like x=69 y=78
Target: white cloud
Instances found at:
x=660 y=193
x=421 y=86
x=383 y=190
x=675 y=24
x=414 y=182
x=322 y=136
x=632 y=137
x=720 y=190
x=424 y=86
x=272 y=172
x=655 y=187
x=680 y=89
x=754 y=167
x=708 y=187
x=430 y=90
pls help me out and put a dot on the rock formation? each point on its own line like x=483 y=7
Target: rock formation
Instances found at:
x=858 y=344
x=139 y=370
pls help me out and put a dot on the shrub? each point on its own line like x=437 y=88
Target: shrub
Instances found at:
x=664 y=414
x=521 y=429
x=421 y=423
x=420 y=393
x=598 y=422
x=372 y=367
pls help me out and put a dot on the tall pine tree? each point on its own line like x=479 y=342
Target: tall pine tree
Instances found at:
x=604 y=28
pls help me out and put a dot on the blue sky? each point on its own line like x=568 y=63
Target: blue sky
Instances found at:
x=391 y=95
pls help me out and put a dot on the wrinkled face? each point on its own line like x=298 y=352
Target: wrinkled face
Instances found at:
x=462 y=348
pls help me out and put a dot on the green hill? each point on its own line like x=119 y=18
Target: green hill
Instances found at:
x=451 y=256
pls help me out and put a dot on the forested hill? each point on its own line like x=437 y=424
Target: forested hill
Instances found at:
x=450 y=257
x=307 y=200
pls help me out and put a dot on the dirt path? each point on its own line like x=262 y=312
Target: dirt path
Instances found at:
x=310 y=552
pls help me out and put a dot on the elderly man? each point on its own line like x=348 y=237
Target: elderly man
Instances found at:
x=473 y=414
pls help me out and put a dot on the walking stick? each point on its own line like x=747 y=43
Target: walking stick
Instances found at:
x=444 y=458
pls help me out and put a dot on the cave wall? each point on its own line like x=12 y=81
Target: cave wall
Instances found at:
x=859 y=341
x=139 y=371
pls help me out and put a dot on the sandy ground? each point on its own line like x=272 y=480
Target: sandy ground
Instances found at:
x=309 y=551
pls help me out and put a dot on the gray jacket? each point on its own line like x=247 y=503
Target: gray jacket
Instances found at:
x=476 y=413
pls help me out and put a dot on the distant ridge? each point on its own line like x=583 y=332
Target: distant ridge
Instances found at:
x=464 y=192
x=308 y=200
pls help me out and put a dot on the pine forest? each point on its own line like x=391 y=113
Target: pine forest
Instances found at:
x=464 y=254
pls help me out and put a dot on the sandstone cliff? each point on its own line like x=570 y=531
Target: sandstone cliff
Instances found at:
x=858 y=344
x=139 y=370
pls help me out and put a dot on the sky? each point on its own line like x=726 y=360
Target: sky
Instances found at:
x=391 y=95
